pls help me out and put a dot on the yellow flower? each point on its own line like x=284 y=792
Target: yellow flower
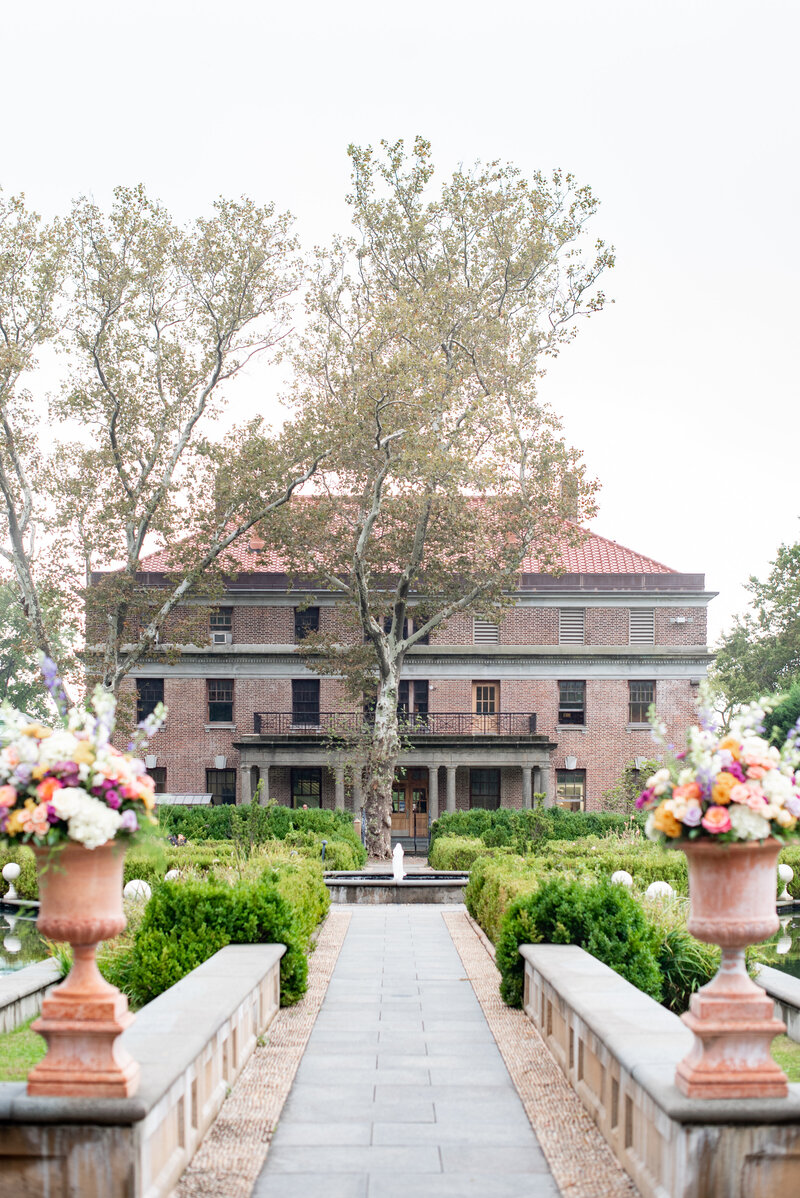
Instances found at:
x=38 y=772
x=83 y=753
x=665 y=821
x=37 y=730
x=15 y=821
x=723 y=785
x=733 y=746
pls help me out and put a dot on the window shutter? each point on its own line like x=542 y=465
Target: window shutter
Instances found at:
x=571 y=625
x=485 y=632
x=642 y=626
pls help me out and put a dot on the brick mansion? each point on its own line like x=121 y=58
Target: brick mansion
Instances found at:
x=552 y=700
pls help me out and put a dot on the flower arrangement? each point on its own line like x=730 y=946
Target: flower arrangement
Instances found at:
x=69 y=783
x=727 y=787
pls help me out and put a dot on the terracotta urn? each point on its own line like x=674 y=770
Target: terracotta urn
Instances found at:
x=80 y=897
x=732 y=889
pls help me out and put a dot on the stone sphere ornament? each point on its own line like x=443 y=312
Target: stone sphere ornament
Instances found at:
x=621 y=877
x=11 y=872
x=136 y=889
x=12 y=944
x=172 y=875
x=785 y=874
x=658 y=890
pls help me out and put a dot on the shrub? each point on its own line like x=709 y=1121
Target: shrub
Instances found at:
x=186 y=923
x=455 y=852
x=600 y=917
x=26 y=884
x=250 y=824
x=528 y=829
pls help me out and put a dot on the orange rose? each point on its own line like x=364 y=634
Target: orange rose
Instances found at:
x=692 y=791
x=45 y=789
x=665 y=822
x=721 y=790
x=732 y=745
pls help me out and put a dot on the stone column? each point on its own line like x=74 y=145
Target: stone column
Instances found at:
x=264 y=779
x=246 y=790
x=451 y=788
x=546 y=787
x=358 y=797
x=338 y=773
x=527 y=789
x=433 y=793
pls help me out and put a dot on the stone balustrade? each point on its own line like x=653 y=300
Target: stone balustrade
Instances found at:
x=619 y=1050
x=192 y=1042
x=22 y=992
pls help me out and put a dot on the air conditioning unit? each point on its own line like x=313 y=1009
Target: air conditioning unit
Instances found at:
x=221 y=638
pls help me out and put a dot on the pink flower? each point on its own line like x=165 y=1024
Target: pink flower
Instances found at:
x=8 y=796
x=716 y=819
x=740 y=793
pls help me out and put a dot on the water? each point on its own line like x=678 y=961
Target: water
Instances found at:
x=783 y=951
x=20 y=942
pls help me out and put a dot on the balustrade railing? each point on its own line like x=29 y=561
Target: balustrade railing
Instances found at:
x=439 y=723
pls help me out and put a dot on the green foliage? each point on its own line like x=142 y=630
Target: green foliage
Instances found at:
x=456 y=852
x=623 y=794
x=20 y=1050
x=600 y=917
x=761 y=653
x=250 y=825
x=526 y=830
x=780 y=721
x=495 y=883
x=26 y=884
x=187 y=922
x=686 y=964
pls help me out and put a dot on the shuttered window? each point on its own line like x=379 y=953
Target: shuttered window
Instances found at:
x=642 y=626
x=485 y=632
x=571 y=622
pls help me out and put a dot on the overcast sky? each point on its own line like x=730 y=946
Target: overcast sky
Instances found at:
x=682 y=116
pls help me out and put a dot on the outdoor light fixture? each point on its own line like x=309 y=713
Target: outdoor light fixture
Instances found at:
x=220 y=761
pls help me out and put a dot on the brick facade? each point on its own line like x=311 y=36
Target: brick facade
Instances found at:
x=526 y=665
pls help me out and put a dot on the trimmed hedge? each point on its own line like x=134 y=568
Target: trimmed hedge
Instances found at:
x=250 y=824
x=602 y=918
x=524 y=829
x=186 y=922
x=459 y=852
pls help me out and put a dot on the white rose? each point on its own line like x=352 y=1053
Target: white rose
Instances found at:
x=747 y=824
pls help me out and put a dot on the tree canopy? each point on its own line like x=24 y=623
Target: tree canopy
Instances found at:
x=760 y=655
x=428 y=331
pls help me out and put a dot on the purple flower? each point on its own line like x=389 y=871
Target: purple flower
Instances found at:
x=54 y=684
x=129 y=822
x=692 y=817
x=735 y=769
x=792 y=805
x=644 y=798
x=113 y=799
x=52 y=815
x=23 y=772
x=680 y=756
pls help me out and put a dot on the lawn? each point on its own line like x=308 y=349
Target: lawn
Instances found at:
x=19 y=1052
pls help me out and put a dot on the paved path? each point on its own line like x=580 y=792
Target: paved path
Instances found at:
x=402 y=1090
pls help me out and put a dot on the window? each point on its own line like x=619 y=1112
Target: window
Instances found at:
x=305 y=701
x=572 y=703
x=222 y=785
x=485 y=632
x=416 y=623
x=641 y=696
x=415 y=693
x=571 y=789
x=149 y=692
x=642 y=626
x=571 y=625
x=484 y=789
x=485 y=698
x=307 y=788
x=220 y=700
x=159 y=775
x=222 y=619
x=306 y=619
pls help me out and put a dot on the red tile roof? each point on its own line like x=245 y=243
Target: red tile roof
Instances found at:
x=594 y=555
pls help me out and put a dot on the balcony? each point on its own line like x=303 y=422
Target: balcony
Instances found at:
x=439 y=723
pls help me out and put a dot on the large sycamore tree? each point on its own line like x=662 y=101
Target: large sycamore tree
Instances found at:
x=428 y=331
x=153 y=321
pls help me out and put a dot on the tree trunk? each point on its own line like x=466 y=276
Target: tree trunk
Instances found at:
x=381 y=765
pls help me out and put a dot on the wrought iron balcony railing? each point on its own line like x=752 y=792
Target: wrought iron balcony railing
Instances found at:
x=439 y=723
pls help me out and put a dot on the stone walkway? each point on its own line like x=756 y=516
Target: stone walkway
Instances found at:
x=402 y=1089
